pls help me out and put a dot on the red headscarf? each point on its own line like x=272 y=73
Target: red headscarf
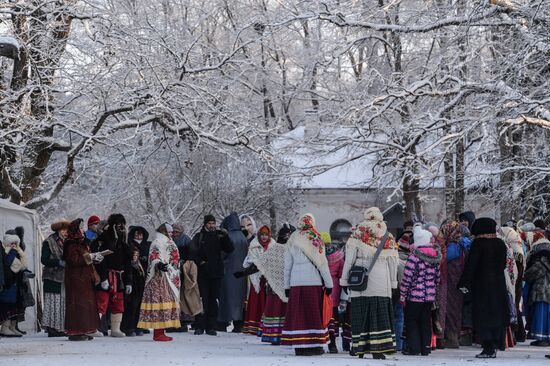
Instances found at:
x=264 y=230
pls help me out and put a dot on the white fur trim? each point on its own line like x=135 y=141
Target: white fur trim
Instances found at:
x=10 y=238
x=422 y=238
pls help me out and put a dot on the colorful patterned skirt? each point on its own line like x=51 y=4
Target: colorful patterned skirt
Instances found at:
x=540 y=324
x=372 y=325
x=340 y=322
x=273 y=320
x=53 y=315
x=304 y=318
x=254 y=310
x=159 y=307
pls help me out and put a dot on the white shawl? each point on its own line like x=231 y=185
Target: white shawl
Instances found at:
x=271 y=264
x=164 y=250
x=256 y=249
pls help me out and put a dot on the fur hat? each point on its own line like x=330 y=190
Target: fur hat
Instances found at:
x=92 y=220
x=374 y=222
x=540 y=224
x=422 y=238
x=60 y=225
x=116 y=219
x=11 y=238
x=484 y=225
x=208 y=218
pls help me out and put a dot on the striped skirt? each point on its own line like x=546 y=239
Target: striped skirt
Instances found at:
x=159 y=307
x=304 y=318
x=340 y=322
x=273 y=320
x=254 y=310
x=53 y=315
x=372 y=325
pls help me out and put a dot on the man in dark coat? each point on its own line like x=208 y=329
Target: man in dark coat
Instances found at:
x=206 y=250
x=484 y=277
x=233 y=291
x=138 y=238
x=115 y=271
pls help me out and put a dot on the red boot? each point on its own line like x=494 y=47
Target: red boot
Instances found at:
x=159 y=336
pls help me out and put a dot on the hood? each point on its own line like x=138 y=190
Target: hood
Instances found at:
x=132 y=230
x=425 y=254
x=231 y=222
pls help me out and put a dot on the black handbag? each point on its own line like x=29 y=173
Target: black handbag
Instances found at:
x=358 y=278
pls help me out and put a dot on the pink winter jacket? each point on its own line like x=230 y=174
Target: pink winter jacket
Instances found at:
x=336 y=265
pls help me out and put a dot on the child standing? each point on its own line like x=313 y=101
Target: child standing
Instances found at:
x=418 y=290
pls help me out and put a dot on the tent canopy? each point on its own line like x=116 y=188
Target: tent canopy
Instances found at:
x=11 y=216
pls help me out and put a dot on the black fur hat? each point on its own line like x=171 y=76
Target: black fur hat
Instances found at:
x=115 y=219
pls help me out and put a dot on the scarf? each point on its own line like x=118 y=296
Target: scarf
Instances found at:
x=271 y=265
x=308 y=240
x=451 y=232
x=254 y=252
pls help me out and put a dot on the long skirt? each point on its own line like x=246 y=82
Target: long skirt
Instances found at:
x=372 y=325
x=453 y=321
x=53 y=315
x=273 y=320
x=304 y=318
x=159 y=307
x=254 y=310
x=540 y=324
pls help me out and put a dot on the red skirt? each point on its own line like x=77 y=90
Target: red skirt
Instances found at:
x=255 y=310
x=273 y=320
x=304 y=318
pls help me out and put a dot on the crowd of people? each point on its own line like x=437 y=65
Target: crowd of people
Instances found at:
x=433 y=286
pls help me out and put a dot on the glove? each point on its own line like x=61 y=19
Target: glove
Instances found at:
x=328 y=291
x=128 y=289
x=105 y=285
x=162 y=267
x=342 y=306
x=402 y=301
x=61 y=263
x=287 y=292
x=239 y=274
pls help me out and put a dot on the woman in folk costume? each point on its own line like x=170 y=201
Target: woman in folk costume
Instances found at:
x=271 y=264
x=257 y=295
x=335 y=258
x=485 y=278
x=160 y=308
x=537 y=278
x=53 y=318
x=81 y=316
x=15 y=263
x=371 y=310
x=306 y=273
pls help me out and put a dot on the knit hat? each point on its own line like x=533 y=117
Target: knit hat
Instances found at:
x=540 y=224
x=92 y=220
x=467 y=216
x=208 y=218
x=484 y=225
x=432 y=228
x=422 y=238
x=116 y=219
x=325 y=237
x=60 y=225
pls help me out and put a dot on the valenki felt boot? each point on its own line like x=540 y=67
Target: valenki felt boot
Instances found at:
x=116 y=319
x=5 y=330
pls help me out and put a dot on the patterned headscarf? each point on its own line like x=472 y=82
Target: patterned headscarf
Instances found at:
x=451 y=232
x=306 y=225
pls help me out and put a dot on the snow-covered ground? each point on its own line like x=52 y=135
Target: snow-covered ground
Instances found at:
x=224 y=350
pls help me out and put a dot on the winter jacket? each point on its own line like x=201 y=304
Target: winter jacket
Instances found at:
x=119 y=260
x=421 y=275
x=300 y=271
x=336 y=266
x=383 y=277
x=206 y=250
x=537 y=274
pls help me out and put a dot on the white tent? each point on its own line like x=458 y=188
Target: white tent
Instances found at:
x=12 y=215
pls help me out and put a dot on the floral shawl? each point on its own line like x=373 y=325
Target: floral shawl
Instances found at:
x=308 y=240
x=164 y=250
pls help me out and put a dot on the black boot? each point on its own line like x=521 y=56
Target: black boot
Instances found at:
x=378 y=356
x=332 y=345
x=237 y=326
x=345 y=345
